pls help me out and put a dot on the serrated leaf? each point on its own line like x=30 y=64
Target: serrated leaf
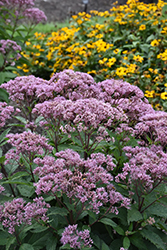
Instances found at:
x=26 y=246
x=153 y=238
x=133 y=215
x=158 y=210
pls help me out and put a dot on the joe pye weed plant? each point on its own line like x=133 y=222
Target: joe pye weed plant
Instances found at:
x=18 y=18
x=87 y=171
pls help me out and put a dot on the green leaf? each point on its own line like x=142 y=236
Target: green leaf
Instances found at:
x=4 y=237
x=108 y=222
x=26 y=246
x=38 y=228
x=138 y=241
x=4 y=95
x=2 y=77
x=158 y=210
x=134 y=215
x=150 y=38
x=153 y=238
x=3 y=135
x=99 y=243
x=10 y=241
x=18 y=175
x=66 y=246
x=145 y=47
x=1 y=60
x=58 y=210
x=25 y=190
x=119 y=230
x=21 y=119
x=10 y=75
x=51 y=243
x=126 y=243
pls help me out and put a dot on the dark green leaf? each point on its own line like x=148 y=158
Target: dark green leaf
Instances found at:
x=109 y=222
x=126 y=243
x=153 y=238
x=58 y=210
x=51 y=243
x=26 y=246
x=134 y=215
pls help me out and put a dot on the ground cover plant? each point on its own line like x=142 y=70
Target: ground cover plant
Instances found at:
x=87 y=171
x=128 y=42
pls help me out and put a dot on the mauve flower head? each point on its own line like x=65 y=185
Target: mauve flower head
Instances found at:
x=85 y=180
x=1 y=187
x=76 y=239
x=10 y=50
x=146 y=166
x=84 y=114
x=74 y=85
x=126 y=96
x=12 y=214
x=155 y=126
x=28 y=144
x=5 y=113
x=16 y=213
x=23 y=88
x=17 y=4
x=34 y=15
x=8 y=45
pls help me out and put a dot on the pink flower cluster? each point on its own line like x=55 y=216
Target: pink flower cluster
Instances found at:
x=90 y=112
x=5 y=113
x=12 y=4
x=1 y=187
x=153 y=125
x=9 y=50
x=85 y=180
x=146 y=167
x=126 y=96
x=34 y=15
x=27 y=143
x=23 y=88
x=76 y=86
x=76 y=239
x=15 y=213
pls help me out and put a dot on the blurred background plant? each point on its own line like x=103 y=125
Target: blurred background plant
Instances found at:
x=128 y=42
x=17 y=21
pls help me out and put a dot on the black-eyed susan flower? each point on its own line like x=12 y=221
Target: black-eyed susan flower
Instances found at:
x=164 y=96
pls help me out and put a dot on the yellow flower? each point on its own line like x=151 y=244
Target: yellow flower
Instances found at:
x=138 y=58
x=111 y=61
x=28 y=43
x=116 y=51
x=149 y=94
x=121 y=71
x=142 y=27
x=164 y=95
x=155 y=43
